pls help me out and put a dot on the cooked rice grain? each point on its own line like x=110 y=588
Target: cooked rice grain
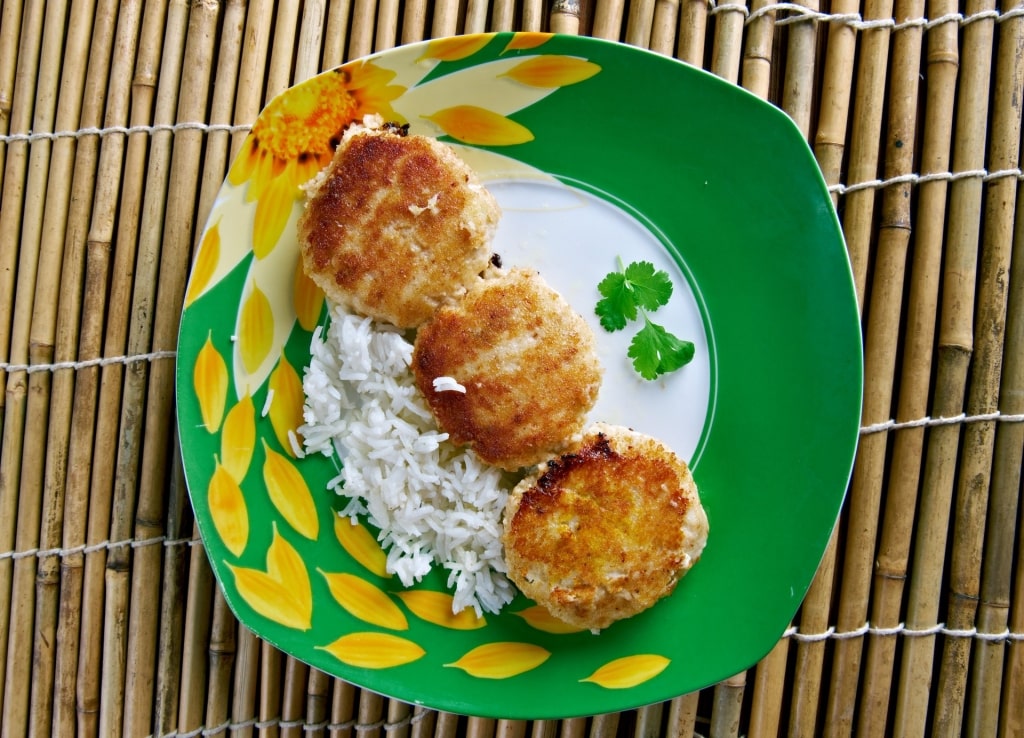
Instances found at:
x=432 y=502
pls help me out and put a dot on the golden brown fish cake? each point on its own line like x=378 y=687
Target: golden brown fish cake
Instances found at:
x=604 y=532
x=528 y=363
x=395 y=226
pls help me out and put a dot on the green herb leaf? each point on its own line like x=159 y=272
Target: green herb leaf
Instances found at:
x=655 y=351
x=651 y=289
x=618 y=306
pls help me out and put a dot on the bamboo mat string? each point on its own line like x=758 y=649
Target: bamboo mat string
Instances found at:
x=21 y=469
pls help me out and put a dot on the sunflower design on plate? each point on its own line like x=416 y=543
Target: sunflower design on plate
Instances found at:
x=594 y=149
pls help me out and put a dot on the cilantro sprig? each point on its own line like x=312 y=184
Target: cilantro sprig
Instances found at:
x=629 y=294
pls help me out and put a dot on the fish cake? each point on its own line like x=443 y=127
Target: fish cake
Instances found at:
x=396 y=225
x=604 y=532
x=526 y=360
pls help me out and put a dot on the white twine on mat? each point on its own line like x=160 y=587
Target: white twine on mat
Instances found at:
x=124 y=131
x=867 y=629
x=928 y=422
x=306 y=727
x=45 y=553
x=802 y=14
x=86 y=363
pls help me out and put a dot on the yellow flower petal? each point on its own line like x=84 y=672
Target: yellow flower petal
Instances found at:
x=373 y=650
x=552 y=71
x=308 y=298
x=255 y=329
x=501 y=660
x=361 y=545
x=205 y=263
x=238 y=439
x=273 y=209
x=242 y=166
x=528 y=40
x=436 y=608
x=282 y=593
x=629 y=671
x=539 y=618
x=286 y=405
x=290 y=494
x=474 y=125
x=456 y=47
x=228 y=510
x=365 y=601
x=210 y=378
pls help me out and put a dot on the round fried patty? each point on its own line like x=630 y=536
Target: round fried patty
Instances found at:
x=605 y=531
x=395 y=226
x=528 y=364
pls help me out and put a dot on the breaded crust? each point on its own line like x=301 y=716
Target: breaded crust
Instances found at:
x=604 y=532
x=528 y=363
x=395 y=226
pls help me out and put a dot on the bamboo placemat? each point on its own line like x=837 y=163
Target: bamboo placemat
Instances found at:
x=117 y=123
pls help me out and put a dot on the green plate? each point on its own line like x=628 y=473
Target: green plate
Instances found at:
x=596 y=151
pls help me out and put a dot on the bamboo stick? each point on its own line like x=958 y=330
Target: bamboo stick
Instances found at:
x=725 y=714
x=369 y=714
x=798 y=85
x=414 y=21
x=174 y=248
x=360 y=41
x=399 y=715
x=1009 y=442
x=318 y=703
x=125 y=217
x=169 y=628
x=447 y=725
x=197 y=641
x=604 y=725
x=663 y=30
x=81 y=105
x=639 y=22
x=296 y=677
x=387 y=25
x=311 y=39
x=769 y=685
x=424 y=721
x=10 y=29
x=106 y=183
x=246 y=682
x=336 y=33
x=973 y=491
x=476 y=16
x=565 y=17
x=608 y=16
x=533 y=16
x=23 y=443
x=116 y=638
x=502 y=14
x=574 y=728
x=279 y=74
x=682 y=716
x=478 y=727
x=728 y=43
x=648 y=720
x=757 y=52
x=915 y=381
x=544 y=729
x=693 y=23
x=445 y=18
x=342 y=706
x=954 y=353
x=253 y=68
x=221 y=660
x=271 y=665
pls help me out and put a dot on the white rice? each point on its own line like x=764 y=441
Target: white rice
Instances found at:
x=432 y=502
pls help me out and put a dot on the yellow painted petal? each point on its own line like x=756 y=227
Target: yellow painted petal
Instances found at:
x=479 y=126
x=539 y=618
x=361 y=545
x=528 y=40
x=286 y=405
x=290 y=494
x=255 y=329
x=273 y=208
x=629 y=671
x=238 y=439
x=501 y=660
x=456 y=47
x=242 y=166
x=373 y=650
x=553 y=71
x=228 y=510
x=436 y=608
x=210 y=378
x=365 y=601
x=282 y=593
x=309 y=299
x=205 y=264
